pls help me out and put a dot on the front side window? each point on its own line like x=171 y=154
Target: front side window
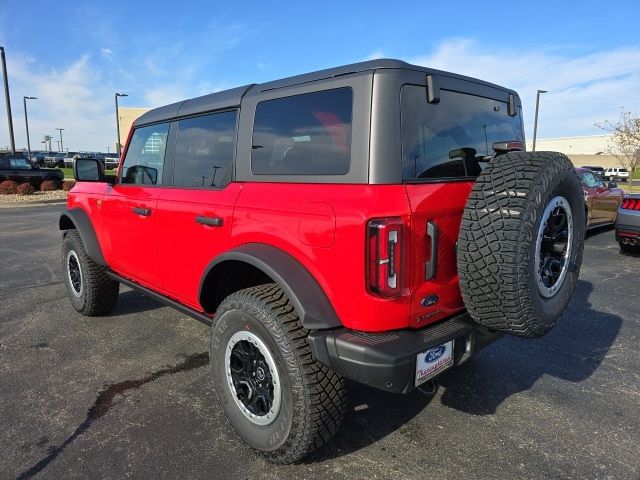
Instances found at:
x=144 y=161
x=204 y=150
x=19 y=163
x=307 y=134
x=590 y=180
x=453 y=138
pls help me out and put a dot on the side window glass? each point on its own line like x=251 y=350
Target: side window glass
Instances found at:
x=589 y=180
x=308 y=134
x=19 y=164
x=144 y=161
x=204 y=150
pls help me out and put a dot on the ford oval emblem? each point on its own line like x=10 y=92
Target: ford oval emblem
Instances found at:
x=429 y=300
x=435 y=354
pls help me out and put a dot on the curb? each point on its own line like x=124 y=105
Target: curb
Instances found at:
x=42 y=203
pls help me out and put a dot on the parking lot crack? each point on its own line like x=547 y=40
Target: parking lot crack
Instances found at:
x=108 y=397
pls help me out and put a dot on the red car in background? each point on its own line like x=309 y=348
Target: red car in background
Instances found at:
x=601 y=198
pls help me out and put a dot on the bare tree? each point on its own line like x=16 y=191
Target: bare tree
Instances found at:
x=625 y=139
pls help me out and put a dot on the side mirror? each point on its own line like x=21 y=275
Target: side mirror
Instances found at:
x=612 y=185
x=88 y=170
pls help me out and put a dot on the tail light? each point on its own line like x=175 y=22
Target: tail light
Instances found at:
x=385 y=250
x=631 y=204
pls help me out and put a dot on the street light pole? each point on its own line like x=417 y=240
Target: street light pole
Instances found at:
x=26 y=122
x=118 y=120
x=535 y=123
x=8 y=100
x=61 y=144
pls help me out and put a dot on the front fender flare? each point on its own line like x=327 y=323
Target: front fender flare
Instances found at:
x=78 y=219
x=302 y=289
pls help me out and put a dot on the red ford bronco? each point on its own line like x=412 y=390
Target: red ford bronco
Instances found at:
x=378 y=222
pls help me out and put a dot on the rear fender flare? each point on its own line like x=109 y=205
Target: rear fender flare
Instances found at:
x=302 y=289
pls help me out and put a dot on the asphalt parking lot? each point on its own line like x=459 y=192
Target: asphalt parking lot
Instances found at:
x=129 y=395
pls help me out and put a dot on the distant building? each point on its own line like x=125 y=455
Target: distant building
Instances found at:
x=127 y=115
x=589 y=150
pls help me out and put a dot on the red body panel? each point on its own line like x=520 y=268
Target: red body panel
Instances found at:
x=130 y=239
x=322 y=226
x=443 y=204
x=186 y=247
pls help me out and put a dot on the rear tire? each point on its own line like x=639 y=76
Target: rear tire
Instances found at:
x=521 y=241
x=302 y=403
x=91 y=291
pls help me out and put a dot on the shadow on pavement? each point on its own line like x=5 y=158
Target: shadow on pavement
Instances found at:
x=572 y=351
x=130 y=302
x=372 y=415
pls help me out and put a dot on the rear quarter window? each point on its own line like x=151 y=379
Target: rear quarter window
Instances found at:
x=308 y=134
x=451 y=139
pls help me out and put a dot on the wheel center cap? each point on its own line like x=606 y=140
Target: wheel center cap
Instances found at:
x=260 y=373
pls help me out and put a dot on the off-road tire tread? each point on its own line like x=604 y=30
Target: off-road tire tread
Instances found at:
x=497 y=231
x=321 y=407
x=101 y=292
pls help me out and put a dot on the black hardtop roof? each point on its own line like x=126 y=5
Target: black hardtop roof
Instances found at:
x=232 y=98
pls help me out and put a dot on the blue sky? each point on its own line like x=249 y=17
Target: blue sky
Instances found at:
x=74 y=55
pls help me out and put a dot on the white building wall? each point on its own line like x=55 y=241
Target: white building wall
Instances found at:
x=588 y=145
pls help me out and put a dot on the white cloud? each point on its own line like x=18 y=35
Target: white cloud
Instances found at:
x=375 y=55
x=165 y=94
x=106 y=52
x=582 y=89
x=73 y=97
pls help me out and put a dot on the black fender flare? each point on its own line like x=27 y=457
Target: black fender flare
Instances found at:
x=76 y=218
x=307 y=296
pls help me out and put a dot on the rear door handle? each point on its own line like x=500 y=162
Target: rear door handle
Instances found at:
x=431 y=266
x=210 y=221
x=145 y=212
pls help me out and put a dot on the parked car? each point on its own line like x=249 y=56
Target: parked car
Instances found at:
x=68 y=159
x=616 y=173
x=601 y=199
x=111 y=161
x=598 y=170
x=376 y=222
x=37 y=158
x=628 y=224
x=19 y=169
x=55 y=159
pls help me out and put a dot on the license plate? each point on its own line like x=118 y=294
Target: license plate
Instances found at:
x=433 y=361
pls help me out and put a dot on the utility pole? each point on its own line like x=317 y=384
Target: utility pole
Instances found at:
x=8 y=100
x=61 y=148
x=26 y=122
x=535 y=123
x=118 y=146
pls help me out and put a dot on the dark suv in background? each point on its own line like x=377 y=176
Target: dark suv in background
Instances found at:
x=18 y=168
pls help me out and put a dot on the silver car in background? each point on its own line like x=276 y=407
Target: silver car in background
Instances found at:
x=628 y=223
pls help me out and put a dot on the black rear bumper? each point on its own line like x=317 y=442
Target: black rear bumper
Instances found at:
x=388 y=360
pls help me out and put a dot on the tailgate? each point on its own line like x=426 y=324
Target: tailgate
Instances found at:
x=436 y=212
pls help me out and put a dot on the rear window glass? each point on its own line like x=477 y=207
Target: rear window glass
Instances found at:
x=453 y=138
x=307 y=134
x=204 y=150
x=144 y=160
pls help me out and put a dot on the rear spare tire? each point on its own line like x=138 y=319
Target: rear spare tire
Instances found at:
x=521 y=241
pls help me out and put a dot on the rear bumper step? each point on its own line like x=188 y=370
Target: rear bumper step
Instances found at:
x=388 y=360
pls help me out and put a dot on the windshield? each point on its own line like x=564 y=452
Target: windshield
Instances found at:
x=453 y=138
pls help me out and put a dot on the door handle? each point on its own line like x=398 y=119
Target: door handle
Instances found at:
x=431 y=265
x=145 y=212
x=210 y=221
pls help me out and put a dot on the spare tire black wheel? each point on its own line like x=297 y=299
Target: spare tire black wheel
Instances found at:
x=521 y=241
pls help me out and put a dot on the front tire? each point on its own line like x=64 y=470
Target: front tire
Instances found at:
x=281 y=402
x=91 y=291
